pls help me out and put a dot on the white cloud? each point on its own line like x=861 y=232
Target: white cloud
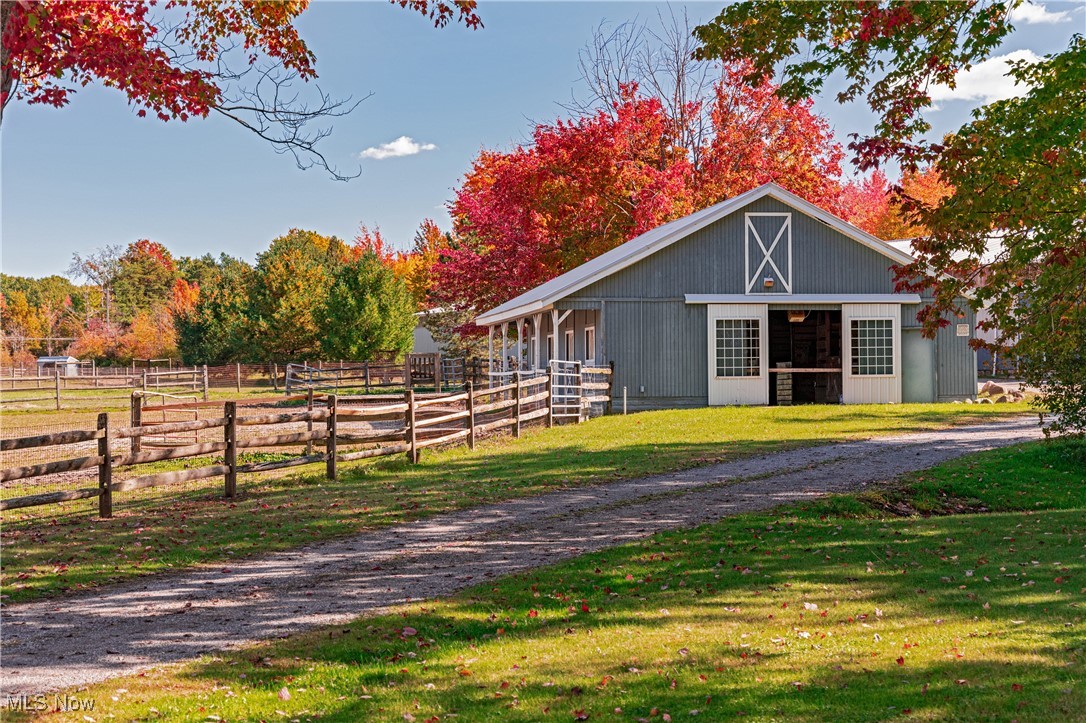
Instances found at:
x=986 y=81
x=402 y=146
x=1034 y=14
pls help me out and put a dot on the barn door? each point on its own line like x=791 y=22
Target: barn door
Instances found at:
x=738 y=354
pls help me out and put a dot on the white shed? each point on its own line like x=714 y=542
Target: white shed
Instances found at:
x=67 y=365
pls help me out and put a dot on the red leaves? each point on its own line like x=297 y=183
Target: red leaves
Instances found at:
x=114 y=42
x=442 y=12
x=533 y=613
x=585 y=185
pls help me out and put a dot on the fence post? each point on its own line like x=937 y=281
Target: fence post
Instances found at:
x=309 y=424
x=275 y=376
x=407 y=371
x=516 y=404
x=550 y=397
x=136 y=420
x=105 y=469
x=610 y=385
x=330 y=441
x=437 y=372
x=230 y=457
x=58 y=388
x=366 y=366
x=412 y=452
x=94 y=371
x=470 y=389
x=205 y=382
x=237 y=372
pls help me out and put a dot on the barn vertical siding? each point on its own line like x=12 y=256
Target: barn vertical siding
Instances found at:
x=711 y=261
x=660 y=344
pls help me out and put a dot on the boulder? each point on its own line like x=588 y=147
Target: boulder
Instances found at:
x=994 y=389
x=969 y=401
x=986 y=400
x=1002 y=399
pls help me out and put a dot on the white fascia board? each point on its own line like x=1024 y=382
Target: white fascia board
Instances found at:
x=497 y=316
x=802 y=298
x=663 y=236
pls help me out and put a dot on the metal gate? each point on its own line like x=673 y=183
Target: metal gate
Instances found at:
x=566 y=397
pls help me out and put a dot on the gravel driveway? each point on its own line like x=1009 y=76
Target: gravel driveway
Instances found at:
x=121 y=629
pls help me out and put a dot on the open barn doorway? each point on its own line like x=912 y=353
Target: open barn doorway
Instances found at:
x=804 y=357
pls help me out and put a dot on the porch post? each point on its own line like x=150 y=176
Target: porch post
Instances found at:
x=537 y=330
x=505 y=354
x=601 y=336
x=490 y=347
x=554 y=331
x=520 y=343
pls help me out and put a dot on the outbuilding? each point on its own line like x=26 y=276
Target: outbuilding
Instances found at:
x=762 y=299
x=68 y=366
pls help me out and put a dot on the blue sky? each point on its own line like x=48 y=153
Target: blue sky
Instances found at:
x=93 y=174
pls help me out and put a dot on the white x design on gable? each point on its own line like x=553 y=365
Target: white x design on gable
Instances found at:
x=784 y=233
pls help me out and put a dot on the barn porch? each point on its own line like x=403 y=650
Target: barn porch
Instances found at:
x=531 y=343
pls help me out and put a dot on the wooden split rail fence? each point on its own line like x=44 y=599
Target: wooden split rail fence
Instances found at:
x=348 y=429
x=58 y=388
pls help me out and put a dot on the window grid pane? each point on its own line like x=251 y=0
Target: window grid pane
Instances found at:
x=872 y=346
x=738 y=348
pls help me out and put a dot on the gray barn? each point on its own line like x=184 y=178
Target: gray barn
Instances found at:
x=761 y=299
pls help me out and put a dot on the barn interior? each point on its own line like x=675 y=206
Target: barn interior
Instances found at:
x=804 y=340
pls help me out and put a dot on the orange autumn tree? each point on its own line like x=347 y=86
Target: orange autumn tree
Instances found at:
x=890 y=211
x=241 y=59
x=417 y=267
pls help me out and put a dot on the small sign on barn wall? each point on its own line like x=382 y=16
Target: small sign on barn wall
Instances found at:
x=963 y=330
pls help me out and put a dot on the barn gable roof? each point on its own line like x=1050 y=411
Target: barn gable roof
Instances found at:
x=546 y=294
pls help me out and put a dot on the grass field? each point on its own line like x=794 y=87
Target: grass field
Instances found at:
x=834 y=610
x=48 y=550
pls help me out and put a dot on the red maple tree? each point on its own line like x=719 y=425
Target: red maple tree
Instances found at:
x=586 y=185
x=237 y=58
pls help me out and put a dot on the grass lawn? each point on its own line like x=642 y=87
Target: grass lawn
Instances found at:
x=832 y=610
x=59 y=548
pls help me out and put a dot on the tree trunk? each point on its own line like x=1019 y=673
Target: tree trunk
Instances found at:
x=7 y=80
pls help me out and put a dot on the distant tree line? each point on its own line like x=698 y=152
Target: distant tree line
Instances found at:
x=307 y=296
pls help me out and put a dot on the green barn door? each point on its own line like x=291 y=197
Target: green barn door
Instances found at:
x=918 y=367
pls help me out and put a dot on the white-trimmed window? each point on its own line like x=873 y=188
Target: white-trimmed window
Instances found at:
x=550 y=347
x=872 y=347
x=589 y=343
x=569 y=345
x=738 y=348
